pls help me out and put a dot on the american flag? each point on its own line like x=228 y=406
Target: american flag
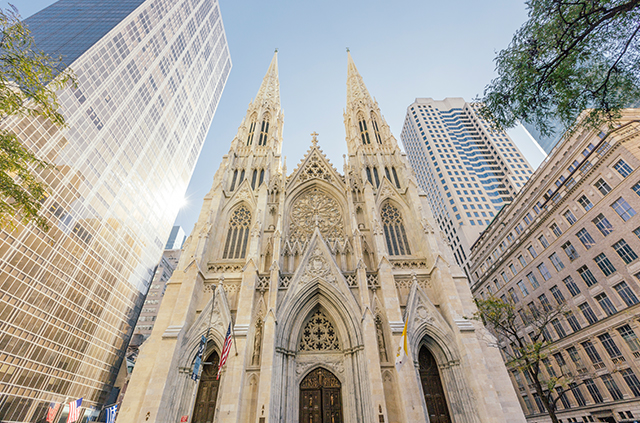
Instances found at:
x=225 y=351
x=74 y=410
x=111 y=413
x=53 y=410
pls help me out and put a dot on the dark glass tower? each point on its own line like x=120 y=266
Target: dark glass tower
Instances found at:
x=150 y=75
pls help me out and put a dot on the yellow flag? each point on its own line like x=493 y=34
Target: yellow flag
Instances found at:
x=403 y=353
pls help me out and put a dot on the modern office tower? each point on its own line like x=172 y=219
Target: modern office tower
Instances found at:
x=150 y=74
x=468 y=170
x=163 y=272
x=571 y=237
x=546 y=142
x=315 y=272
x=176 y=239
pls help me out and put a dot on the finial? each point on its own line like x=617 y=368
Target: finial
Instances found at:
x=276 y=50
x=348 y=50
x=314 y=140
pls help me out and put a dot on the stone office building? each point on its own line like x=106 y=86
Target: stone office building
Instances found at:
x=572 y=236
x=316 y=272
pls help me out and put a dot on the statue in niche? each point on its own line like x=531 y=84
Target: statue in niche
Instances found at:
x=257 y=344
x=382 y=349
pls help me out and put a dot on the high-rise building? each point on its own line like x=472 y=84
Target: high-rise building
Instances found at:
x=315 y=273
x=176 y=239
x=150 y=74
x=468 y=170
x=570 y=242
x=546 y=142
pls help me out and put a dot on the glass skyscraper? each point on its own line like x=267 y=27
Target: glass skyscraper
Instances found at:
x=468 y=170
x=150 y=74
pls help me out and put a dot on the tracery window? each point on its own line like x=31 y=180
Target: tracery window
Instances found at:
x=395 y=177
x=368 y=169
x=261 y=177
x=376 y=131
x=252 y=129
x=237 y=238
x=319 y=334
x=233 y=181
x=375 y=175
x=264 y=131
x=254 y=178
x=394 y=233
x=364 y=132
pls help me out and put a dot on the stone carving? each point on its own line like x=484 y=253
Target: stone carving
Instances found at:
x=257 y=343
x=285 y=281
x=316 y=209
x=317 y=267
x=426 y=226
x=409 y=264
x=382 y=349
x=385 y=192
x=422 y=314
x=244 y=193
x=334 y=363
x=319 y=334
x=225 y=268
x=351 y=279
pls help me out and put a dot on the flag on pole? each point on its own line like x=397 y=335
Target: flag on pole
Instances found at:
x=74 y=410
x=111 y=413
x=402 y=354
x=196 y=365
x=225 y=351
x=53 y=410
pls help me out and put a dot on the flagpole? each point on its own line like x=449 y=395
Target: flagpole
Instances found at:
x=233 y=335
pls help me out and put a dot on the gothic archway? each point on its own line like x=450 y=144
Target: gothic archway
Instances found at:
x=432 y=388
x=320 y=398
x=205 y=407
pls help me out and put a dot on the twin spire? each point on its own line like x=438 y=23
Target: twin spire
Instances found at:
x=269 y=91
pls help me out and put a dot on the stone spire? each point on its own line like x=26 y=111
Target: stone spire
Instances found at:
x=357 y=93
x=269 y=92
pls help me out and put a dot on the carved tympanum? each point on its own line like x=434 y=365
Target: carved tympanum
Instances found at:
x=319 y=334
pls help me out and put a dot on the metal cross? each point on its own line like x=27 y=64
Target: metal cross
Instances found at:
x=314 y=140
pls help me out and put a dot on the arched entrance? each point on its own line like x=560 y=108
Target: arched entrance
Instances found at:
x=432 y=388
x=320 y=399
x=205 y=407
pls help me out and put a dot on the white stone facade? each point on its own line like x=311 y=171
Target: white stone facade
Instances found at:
x=316 y=272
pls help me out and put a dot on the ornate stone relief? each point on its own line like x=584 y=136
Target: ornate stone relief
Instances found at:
x=319 y=334
x=316 y=209
x=409 y=264
x=304 y=362
x=317 y=267
x=224 y=268
x=423 y=314
x=316 y=168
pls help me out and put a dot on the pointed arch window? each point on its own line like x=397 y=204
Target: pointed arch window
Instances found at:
x=364 y=133
x=368 y=169
x=395 y=177
x=376 y=131
x=375 y=175
x=394 y=233
x=236 y=245
x=386 y=172
x=252 y=129
x=261 y=177
x=233 y=180
x=254 y=178
x=241 y=177
x=264 y=131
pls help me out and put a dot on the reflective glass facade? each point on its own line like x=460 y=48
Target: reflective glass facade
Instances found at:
x=149 y=85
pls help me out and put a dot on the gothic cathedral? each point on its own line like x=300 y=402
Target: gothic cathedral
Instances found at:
x=316 y=273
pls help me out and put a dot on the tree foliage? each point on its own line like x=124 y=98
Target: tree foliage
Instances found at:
x=569 y=56
x=524 y=337
x=29 y=80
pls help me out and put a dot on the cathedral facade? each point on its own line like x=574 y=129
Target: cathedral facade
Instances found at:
x=317 y=272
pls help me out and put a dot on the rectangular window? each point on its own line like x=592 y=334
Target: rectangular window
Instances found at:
x=603 y=225
x=555 y=229
x=588 y=313
x=603 y=187
x=623 y=209
x=591 y=351
x=624 y=251
x=557 y=294
x=604 y=264
x=629 y=337
x=532 y=280
x=573 y=321
x=504 y=277
x=606 y=304
x=586 y=238
x=527 y=218
x=570 y=251
x=560 y=359
x=636 y=188
x=523 y=289
x=546 y=305
x=543 y=241
x=626 y=294
x=577 y=393
x=570 y=218
x=557 y=263
x=593 y=390
x=532 y=251
x=522 y=261
x=519 y=228
x=497 y=284
x=636 y=231
x=623 y=168
x=557 y=325
x=632 y=381
x=513 y=269
x=563 y=398
x=612 y=387
x=587 y=276
x=544 y=272
x=539 y=402
x=528 y=404
x=575 y=356
x=585 y=203
x=609 y=345
x=513 y=295
x=571 y=286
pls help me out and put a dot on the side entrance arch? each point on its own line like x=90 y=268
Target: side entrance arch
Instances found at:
x=205 y=407
x=320 y=398
x=432 y=388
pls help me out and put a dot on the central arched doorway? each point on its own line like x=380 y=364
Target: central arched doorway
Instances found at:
x=432 y=388
x=320 y=398
x=205 y=407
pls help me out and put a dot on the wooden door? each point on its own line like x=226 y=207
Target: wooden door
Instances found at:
x=320 y=398
x=432 y=388
x=205 y=407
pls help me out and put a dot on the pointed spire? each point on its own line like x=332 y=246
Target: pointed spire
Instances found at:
x=270 y=88
x=356 y=90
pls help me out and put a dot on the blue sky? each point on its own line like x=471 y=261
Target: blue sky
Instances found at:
x=403 y=49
